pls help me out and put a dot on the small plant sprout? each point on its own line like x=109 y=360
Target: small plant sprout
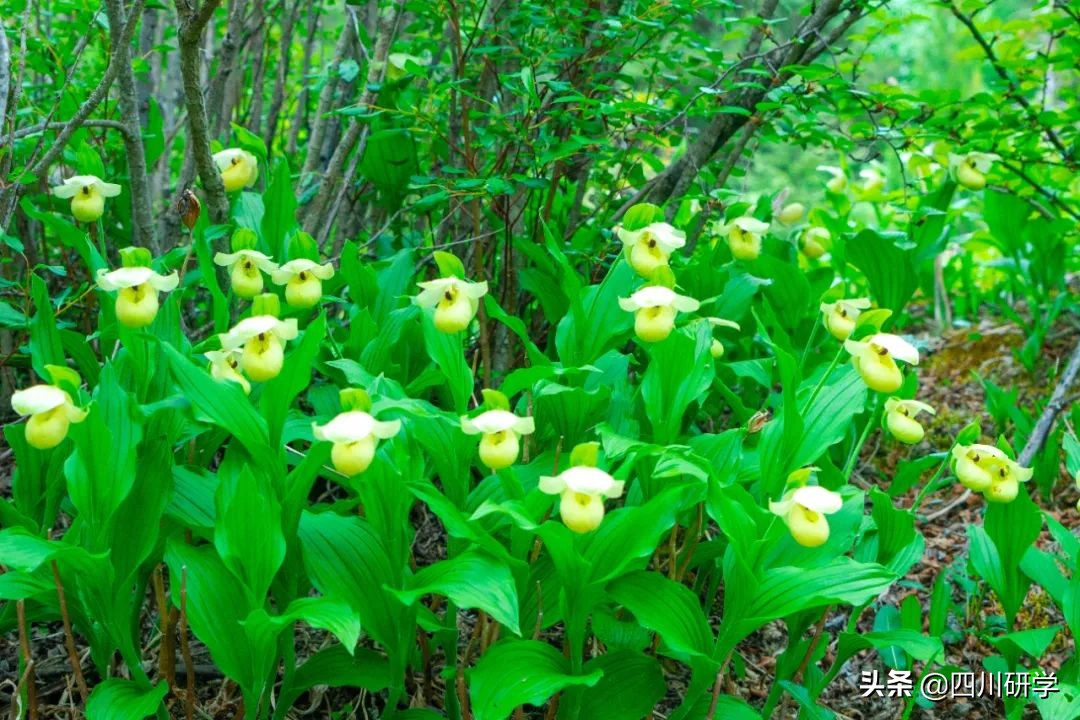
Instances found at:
x=582 y=489
x=354 y=433
x=455 y=301
x=838 y=182
x=717 y=347
x=246 y=264
x=51 y=413
x=302 y=279
x=499 y=429
x=137 y=287
x=804 y=507
x=814 y=242
x=875 y=360
x=225 y=365
x=654 y=309
x=87 y=194
x=839 y=317
x=901 y=422
x=744 y=236
x=791 y=213
x=262 y=337
x=239 y=168
x=988 y=470
x=650 y=247
x=970 y=169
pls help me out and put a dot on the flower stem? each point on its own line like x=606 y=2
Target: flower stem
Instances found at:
x=870 y=422
x=823 y=380
x=926 y=488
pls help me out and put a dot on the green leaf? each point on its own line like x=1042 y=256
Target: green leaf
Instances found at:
x=335 y=667
x=280 y=217
x=666 y=607
x=642 y=214
x=446 y=352
x=597 y=320
x=279 y=393
x=247 y=533
x=518 y=672
x=118 y=699
x=889 y=269
x=249 y=141
x=473 y=579
x=679 y=373
x=45 y=345
x=449 y=265
x=917 y=645
x=216 y=607
x=347 y=561
x=224 y=403
x=632 y=683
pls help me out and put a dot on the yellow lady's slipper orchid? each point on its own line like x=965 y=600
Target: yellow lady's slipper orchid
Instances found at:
x=239 y=168
x=900 y=419
x=302 y=279
x=245 y=270
x=500 y=430
x=137 y=300
x=986 y=469
x=791 y=213
x=87 y=194
x=455 y=301
x=815 y=242
x=51 y=413
x=970 y=170
x=803 y=510
x=654 y=309
x=650 y=247
x=873 y=182
x=838 y=182
x=744 y=236
x=875 y=360
x=717 y=347
x=354 y=434
x=581 y=490
x=839 y=317
x=263 y=339
x=225 y=364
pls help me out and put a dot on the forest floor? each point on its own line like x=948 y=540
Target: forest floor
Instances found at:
x=946 y=382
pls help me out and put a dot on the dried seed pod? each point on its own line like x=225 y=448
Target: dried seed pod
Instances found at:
x=188 y=207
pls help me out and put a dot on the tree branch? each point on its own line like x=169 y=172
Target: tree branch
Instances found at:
x=1058 y=402
x=192 y=24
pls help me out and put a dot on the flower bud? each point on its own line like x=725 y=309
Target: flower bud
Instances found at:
x=791 y=213
x=266 y=304
x=815 y=242
x=188 y=208
x=716 y=349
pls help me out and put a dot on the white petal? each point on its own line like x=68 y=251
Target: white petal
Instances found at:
x=264 y=262
x=123 y=277
x=387 y=429
x=74 y=185
x=855 y=304
x=783 y=507
x=855 y=347
x=898 y=347
x=164 y=283
x=257 y=325
x=107 y=189
x=750 y=225
x=291 y=269
x=651 y=296
x=224 y=159
x=38 y=399
x=685 y=304
x=491 y=421
x=720 y=322
x=591 y=481
x=818 y=499
x=347 y=427
x=552 y=484
x=432 y=291
x=474 y=290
